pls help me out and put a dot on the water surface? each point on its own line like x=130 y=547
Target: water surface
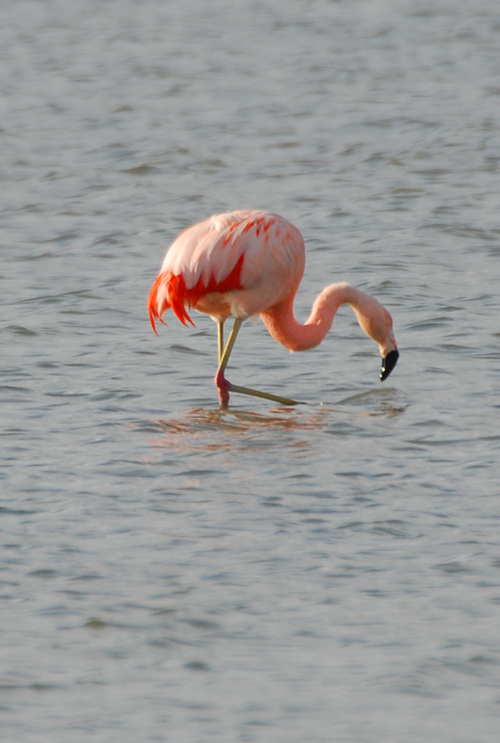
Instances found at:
x=173 y=572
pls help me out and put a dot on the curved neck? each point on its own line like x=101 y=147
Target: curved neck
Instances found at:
x=284 y=328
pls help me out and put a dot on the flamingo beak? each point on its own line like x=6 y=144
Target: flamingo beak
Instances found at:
x=388 y=364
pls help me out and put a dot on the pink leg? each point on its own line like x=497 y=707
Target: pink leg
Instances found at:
x=223 y=386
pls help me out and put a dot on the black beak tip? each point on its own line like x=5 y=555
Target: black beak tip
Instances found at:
x=388 y=364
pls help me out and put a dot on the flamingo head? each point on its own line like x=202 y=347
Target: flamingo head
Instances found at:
x=388 y=363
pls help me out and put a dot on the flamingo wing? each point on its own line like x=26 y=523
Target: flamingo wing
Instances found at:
x=253 y=258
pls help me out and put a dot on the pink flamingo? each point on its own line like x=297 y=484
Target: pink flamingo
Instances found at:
x=250 y=263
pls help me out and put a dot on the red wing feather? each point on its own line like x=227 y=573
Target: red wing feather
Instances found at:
x=171 y=291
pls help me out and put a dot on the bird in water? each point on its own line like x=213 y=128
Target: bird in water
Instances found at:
x=250 y=263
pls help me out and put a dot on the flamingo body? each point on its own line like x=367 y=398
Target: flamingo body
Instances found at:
x=249 y=263
x=237 y=264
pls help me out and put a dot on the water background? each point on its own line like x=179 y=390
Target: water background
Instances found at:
x=173 y=573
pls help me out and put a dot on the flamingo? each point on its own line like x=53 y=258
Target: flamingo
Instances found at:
x=250 y=263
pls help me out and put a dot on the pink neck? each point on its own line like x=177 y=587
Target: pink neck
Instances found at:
x=284 y=328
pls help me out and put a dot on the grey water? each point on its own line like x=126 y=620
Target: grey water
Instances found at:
x=173 y=572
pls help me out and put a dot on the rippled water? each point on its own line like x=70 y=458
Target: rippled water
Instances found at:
x=173 y=572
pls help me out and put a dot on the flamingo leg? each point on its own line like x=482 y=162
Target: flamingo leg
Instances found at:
x=224 y=386
x=265 y=395
x=220 y=379
x=220 y=333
